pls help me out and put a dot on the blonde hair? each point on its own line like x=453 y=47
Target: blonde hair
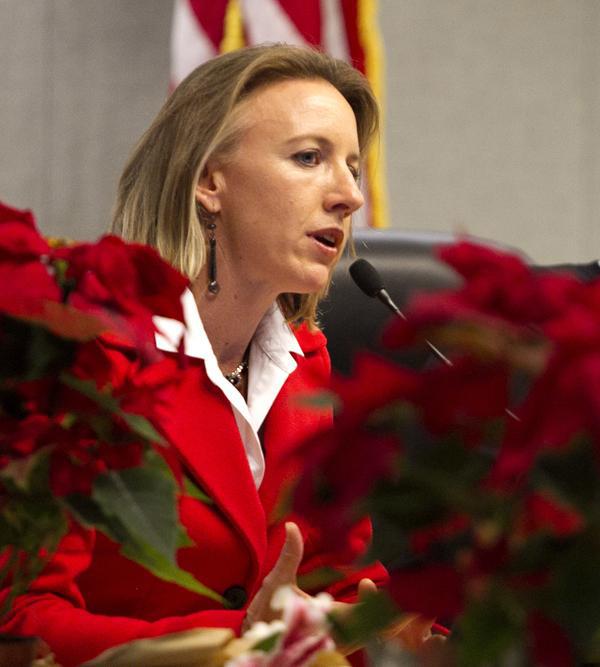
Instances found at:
x=156 y=194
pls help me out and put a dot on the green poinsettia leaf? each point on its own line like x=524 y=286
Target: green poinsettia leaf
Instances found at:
x=183 y=539
x=138 y=424
x=268 y=643
x=39 y=471
x=374 y=612
x=321 y=400
x=166 y=569
x=67 y=322
x=319 y=578
x=389 y=543
x=144 y=500
x=137 y=508
x=405 y=504
x=575 y=588
x=89 y=513
x=192 y=490
x=30 y=351
x=31 y=522
x=489 y=632
x=89 y=389
x=102 y=423
x=28 y=551
x=18 y=473
x=142 y=427
x=451 y=463
x=30 y=517
x=535 y=554
x=571 y=473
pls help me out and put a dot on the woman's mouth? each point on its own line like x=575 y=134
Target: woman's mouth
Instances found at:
x=328 y=239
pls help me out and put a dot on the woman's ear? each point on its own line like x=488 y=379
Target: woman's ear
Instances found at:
x=208 y=191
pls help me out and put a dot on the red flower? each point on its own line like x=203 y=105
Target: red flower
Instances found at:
x=463 y=397
x=124 y=285
x=542 y=513
x=422 y=539
x=576 y=326
x=21 y=438
x=339 y=467
x=78 y=456
x=556 y=410
x=549 y=644
x=498 y=287
x=20 y=243
x=93 y=361
x=375 y=383
x=432 y=590
x=9 y=214
x=502 y=285
x=74 y=470
x=144 y=391
x=129 y=278
x=122 y=455
x=26 y=281
x=338 y=470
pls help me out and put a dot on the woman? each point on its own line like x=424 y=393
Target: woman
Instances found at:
x=246 y=182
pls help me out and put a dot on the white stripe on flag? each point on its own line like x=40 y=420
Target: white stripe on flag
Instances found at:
x=190 y=45
x=266 y=21
x=333 y=29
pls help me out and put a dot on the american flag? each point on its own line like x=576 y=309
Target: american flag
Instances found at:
x=346 y=29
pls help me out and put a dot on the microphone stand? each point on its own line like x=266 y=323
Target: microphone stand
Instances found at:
x=385 y=298
x=368 y=280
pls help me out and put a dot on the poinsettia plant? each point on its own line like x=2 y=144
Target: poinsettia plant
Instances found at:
x=482 y=475
x=77 y=443
x=301 y=637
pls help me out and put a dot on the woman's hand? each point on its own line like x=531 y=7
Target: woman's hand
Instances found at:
x=413 y=633
x=283 y=574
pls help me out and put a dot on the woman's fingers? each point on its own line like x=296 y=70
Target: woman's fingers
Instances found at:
x=283 y=574
x=366 y=587
x=286 y=567
x=411 y=630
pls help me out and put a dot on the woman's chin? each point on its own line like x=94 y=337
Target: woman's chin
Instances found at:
x=315 y=283
x=308 y=280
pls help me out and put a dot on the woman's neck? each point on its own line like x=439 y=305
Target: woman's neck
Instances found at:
x=230 y=319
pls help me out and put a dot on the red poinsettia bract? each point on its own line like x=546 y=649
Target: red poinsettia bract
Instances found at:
x=124 y=285
x=482 y=481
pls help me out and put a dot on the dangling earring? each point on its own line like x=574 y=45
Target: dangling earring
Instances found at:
x=213 y=285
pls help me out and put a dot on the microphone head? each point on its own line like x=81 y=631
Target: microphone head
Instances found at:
x=366 y=277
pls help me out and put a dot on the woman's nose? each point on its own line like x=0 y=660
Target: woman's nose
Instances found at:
x=344 y=194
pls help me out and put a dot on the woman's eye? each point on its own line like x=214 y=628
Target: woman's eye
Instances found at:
x=355 y=172
x=308 y=158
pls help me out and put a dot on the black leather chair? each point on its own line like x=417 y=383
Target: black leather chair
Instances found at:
x=407 y=263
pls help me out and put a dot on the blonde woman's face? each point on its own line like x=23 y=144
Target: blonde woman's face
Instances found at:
x=285 y=194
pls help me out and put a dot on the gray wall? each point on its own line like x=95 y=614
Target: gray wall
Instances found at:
x=494 y=120
x=492 y=113
x=80 y=80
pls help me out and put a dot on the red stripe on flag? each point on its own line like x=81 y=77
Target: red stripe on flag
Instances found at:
x=357 y=54
x=211 y=16
x=306 y=16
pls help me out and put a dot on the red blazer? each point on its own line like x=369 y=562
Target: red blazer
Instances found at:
x=90 y=597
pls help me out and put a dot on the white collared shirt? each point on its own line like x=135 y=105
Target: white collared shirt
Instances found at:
x=269 y=364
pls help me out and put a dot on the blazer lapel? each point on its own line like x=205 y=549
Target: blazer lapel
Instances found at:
x=202 y=428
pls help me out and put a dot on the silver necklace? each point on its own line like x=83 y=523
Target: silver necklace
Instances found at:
x=236 y=375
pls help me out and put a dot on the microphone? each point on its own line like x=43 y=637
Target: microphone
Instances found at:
x=367 y=278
